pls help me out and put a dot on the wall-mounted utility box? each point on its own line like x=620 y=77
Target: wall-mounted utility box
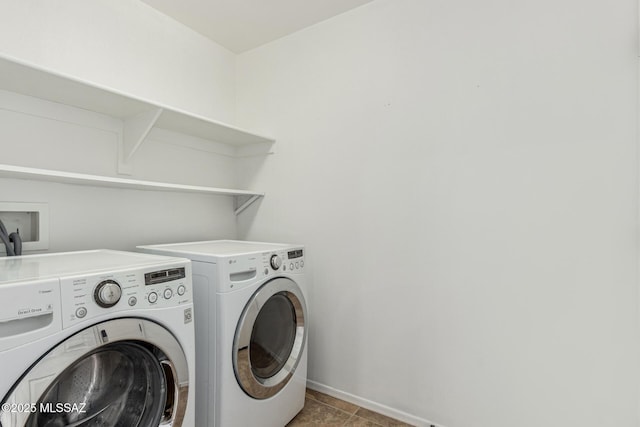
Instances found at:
x=32 y=219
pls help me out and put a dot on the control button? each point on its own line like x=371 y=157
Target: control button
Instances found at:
x=297 y=265
x=266 y=271
x=81 y=312
x=107 y=293
x=284 y=267
x=291 y=266
x=168 y=293
x=153 y=297
x=301 y=263
x=133 y=301
x=181 y=290
x=276 y=262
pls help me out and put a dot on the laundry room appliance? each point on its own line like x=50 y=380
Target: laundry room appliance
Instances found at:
x=251 y=330
x=96 y=338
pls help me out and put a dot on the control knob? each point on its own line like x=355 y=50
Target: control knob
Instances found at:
x=276 y=262
x=107 y=293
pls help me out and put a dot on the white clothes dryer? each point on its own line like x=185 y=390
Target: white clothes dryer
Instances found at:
x=96 y=338
x=251 y=330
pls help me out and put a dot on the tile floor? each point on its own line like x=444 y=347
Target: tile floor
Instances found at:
x=323 y=410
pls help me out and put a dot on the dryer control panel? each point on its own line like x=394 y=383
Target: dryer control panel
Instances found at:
x=289 y=260
x=239 y=271
x=85 y=297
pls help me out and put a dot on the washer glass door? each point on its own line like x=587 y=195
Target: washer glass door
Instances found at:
x=270 y=338
x=119 y=373
x=120 y=384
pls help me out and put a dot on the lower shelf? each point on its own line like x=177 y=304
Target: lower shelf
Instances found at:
x=243 y=198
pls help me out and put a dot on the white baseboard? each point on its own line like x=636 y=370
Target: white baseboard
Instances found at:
x=373 y=406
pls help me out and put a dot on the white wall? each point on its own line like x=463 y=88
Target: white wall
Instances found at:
x=132 y=48
x=465 y=177
x=126 y=45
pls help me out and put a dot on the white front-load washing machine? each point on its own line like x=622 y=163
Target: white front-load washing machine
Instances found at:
x=96 y=338
x=251 y=330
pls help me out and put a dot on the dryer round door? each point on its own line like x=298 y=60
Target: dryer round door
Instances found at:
x=270 y=337
x=119 y=373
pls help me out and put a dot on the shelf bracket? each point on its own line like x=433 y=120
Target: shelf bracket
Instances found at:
x=134 y=131
x=255 y=150
x=243 y=202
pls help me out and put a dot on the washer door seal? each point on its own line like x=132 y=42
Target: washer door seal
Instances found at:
x=270 y=338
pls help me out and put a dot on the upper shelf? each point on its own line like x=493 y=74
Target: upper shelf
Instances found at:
x=138 y=114
x=243 y=198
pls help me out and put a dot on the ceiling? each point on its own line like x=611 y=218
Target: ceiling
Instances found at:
x=240 y=25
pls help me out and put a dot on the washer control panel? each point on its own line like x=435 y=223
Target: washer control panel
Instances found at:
x=84 y=297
